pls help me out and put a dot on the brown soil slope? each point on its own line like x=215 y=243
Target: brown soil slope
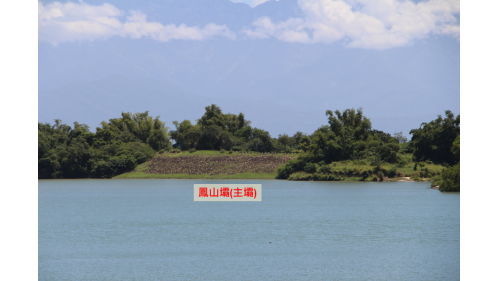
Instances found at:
x=213 y=165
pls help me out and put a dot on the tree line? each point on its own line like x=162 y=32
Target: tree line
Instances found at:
x=349 y=136
x=116 y=147
x=122 y=143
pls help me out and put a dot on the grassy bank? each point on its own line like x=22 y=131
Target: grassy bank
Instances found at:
x=249 y=175
x=216 y=165
x=362 y=170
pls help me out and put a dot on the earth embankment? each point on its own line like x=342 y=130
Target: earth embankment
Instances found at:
x=204 y=165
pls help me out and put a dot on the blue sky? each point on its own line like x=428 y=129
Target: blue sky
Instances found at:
x=282 y=63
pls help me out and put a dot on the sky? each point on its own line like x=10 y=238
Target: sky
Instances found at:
x=281 y=63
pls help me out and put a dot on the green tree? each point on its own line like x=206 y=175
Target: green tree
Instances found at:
x=433 y=141
x=348 y=136
x=450 y=179
x=455 y=148
x=116 y=147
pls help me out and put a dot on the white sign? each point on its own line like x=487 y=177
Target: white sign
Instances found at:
x=228 y=192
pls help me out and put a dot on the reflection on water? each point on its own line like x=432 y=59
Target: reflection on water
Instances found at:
x=153 y=230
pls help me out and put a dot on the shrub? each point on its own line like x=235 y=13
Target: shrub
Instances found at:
x=310 y=168
x=359 y=162
x=401 y=163
x=392 y=158
x=392 y=172
x=376 y=161
x=175 y=150
x=161 y=151
x=380 y=176
x=451 y=179
x=365 y=175
x=230 y=151
x=222 y=150
x=374 y=179
x=379 y=168
x=191 y=150
x=325 y=169
x=285 y=170
x=415 y=176
x=113 y=166
x=436 y=181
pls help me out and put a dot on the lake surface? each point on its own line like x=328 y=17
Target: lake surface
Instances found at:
x=153 y=230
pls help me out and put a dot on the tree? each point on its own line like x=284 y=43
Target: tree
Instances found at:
x=434 y=140
x=450 y=179
x=214 y=130
x=348 y=136
x=455 y=148
x=116 y=147
x=400 y=138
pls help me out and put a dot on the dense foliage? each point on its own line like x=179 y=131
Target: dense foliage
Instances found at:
x=348 y=136
x=450 y=178
x=218 y=131
x=121 y=144
x=439 y=141
x=117 y=146
x=434 y=140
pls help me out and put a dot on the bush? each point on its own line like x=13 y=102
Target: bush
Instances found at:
x=360 y=162
x=392 y=158
x=230 y=151
x=365 y=175
x=222 y=150
x=175 y=150
x=380 y=176
x=113 y=166
x=415 y=176
x=161 y=151
x=285 y=170
x=379 y=168
x=325 y=169
x=401 y=163
x=436 y=181
x=392 y=172
x=451 y=179
x=376 y=161
x=374 y=179
x=310 y=168
x=191 y=150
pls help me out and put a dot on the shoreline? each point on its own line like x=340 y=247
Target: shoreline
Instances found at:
x=249 y=175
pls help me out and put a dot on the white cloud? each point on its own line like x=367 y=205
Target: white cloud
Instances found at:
x=58 y=22
x=252 y=3
x=373 y=24
x=258 y=2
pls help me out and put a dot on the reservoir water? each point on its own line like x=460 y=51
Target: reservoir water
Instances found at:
x=153 y=230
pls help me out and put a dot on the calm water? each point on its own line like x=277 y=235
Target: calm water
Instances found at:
x=153 y=230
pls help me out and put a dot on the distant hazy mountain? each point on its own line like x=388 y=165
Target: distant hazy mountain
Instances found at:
x=282 y=87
